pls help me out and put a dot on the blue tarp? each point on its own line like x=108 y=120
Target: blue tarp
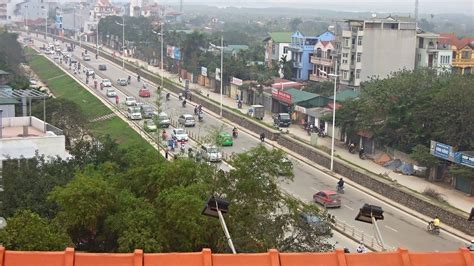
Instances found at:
x=406 y=168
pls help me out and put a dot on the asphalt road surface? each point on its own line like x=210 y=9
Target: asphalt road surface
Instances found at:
x=398 y=229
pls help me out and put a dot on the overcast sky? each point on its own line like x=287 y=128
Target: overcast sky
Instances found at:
x=426 y=6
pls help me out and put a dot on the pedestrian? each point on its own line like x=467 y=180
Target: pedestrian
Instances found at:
x=117 y=99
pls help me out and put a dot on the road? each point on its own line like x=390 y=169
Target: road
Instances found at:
x=398 y=229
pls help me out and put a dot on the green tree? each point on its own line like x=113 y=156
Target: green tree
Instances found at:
x=27 y=231
x=287 y=67
x=294 y=23
x=11 y=58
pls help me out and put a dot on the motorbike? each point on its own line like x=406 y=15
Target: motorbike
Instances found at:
x=129 y=80
x=184 y=103
x=200 y=117
x=431 y=228
x=321 y=133
x=340 y=189
x=138 y=78
x=352 y=148
x=168 y=96
x=235 y=134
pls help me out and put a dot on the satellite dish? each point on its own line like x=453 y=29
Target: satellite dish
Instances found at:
x=3 y=222
x=374 y=15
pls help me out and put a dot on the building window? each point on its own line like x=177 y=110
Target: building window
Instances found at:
x=466 y=55
x=420 y=44
x=346 y=42
x=359 y=55
x=345 y=55
x=359 y=41
x=344 y=61
x=344 y=75
x=419 y=57
x=357 y=73
x=285 y=49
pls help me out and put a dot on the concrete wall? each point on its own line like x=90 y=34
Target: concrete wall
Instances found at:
x=451 y=217
x=386 y=51
x=8 y=110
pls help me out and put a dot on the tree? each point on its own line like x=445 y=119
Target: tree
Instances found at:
x=287 y=67
x=324 y=88
x=27 y=231
x=294 y=23
x=11 y=58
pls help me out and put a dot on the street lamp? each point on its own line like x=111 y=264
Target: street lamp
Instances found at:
x=215 y=207
x=123 y=40
x=370 y=214
x=222 y=66
x=26 y=18
x=335 y=75
x=97 y=39
x=161 y=65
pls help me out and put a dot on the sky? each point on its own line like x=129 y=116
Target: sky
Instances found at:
x=387 y=6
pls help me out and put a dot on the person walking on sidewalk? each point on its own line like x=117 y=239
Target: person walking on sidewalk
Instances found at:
x=262 y=137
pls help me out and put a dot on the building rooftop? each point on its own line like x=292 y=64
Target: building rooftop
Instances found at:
x=400 y=257
x=451 y=39
x=280 y=37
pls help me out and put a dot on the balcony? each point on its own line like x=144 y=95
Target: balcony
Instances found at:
x=295 y=48
x=435 y=47
x=315 y=77
x=463 y=62
x=297 y=65
x=321 y=61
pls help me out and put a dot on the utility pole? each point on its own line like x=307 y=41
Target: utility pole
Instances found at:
x=161 y=31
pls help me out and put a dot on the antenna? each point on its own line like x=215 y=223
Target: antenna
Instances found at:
x=416 y=10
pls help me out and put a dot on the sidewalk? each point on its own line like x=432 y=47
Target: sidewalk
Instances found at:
x=453 y=197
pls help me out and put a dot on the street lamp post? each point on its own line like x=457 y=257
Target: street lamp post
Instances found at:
x=335 y=75
x=123 y=40
x=161 y=66
x=222 y=67
x=97 y=39
x=216 y=207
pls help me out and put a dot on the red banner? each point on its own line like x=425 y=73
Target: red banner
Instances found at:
x=281 y=96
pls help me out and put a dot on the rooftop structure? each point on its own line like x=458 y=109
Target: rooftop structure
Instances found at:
x=400 y=257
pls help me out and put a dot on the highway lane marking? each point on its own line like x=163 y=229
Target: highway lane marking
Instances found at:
x=348 y=207
x=393 y=229
x=314 y=189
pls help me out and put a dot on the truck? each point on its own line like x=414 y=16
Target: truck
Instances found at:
x=256 y=111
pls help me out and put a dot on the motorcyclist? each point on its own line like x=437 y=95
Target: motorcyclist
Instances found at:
x=184 y=103
x=340 y=184
x=351 y=147
x=196 y=110
x=234 y=132
x=138 y=78
x=436 y=222
x=180 y=96
x=129 y=79
x=200 y=117
x=470 y=246
x=361 y=153
x=168 y=96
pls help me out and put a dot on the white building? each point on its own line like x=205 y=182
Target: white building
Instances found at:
x=276 y=46
x=375 y=47
x=431 y=53
x=24 y=136
x=18 y=11
x=3 y=12
x=323 y=61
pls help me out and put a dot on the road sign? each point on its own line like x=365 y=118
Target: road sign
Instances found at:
x=442 y=150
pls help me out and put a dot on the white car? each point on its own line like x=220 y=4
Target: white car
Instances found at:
x=111 y=92
x=179 y=134
x=130 y=101
x=90 y=72
x=106 y=83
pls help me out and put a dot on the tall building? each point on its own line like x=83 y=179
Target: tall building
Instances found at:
x=375 y=47
x=302 y=48
x=3 y=12
x=323 y=57
x=432 y=52
x=462 y=53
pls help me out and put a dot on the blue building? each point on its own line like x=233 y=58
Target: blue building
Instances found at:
x=302 y=48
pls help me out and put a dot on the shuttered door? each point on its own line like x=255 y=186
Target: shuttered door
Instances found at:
x=463 y=184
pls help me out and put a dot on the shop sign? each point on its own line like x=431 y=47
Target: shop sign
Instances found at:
x=300 y=109
x=237 y=81
x=204 y=71
x=281 y=96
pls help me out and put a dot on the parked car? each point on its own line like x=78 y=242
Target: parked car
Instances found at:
x=316 y=222
x=144 y=92
x=134 y=113
x=225 y=139
x=179 y=134
x=111 y=92
x=163 y=120
x=328 y=199
x=102 y=67
x=187 y=120
x=210 y=153
x=282 y=120
x=148 y=111
x=86 y=57
x=106 y=83
x=122 y=82
x=130 y=101
x=149 y=126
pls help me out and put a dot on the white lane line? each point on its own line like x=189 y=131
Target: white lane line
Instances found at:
x=393 y=229
x=314 y=189
x=348 y=207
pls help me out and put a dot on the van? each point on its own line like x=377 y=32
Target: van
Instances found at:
x=282 y=120
x=211 y=153
x=134 y=113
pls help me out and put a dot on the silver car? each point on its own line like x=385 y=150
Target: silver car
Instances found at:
x=122 y=82
x=187 y=120
x=211 y=153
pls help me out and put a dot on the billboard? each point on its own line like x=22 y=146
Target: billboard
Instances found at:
x=204 y=71
x=218 y=73
x=173 y=52
x=442 y=150
x=282 y=96
x=464 y=158
x=237 y=81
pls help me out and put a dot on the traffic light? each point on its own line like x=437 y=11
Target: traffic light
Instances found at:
x=368 y=211
x=214 y=204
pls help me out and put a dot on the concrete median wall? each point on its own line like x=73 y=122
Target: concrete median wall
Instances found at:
x=452 y=217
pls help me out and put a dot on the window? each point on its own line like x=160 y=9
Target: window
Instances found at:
x=357 y=73
x=346 y=42
x=353 y=41
x=466 y=55
x=285 y=49
x=420 y=44
x=344 y=75
x=359 y=55
x=352 y=57
x=345 y=55
x=344 y=61
x=419 y=57
x=359 y=41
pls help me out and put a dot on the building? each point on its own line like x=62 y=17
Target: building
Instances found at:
x=322 y=58
x=22 y=137
x=462 y=52
x=302 y=48
x=276 y=46
x=432 y=53
x=102 y=9
x=374 y=48
x=3 y=12
x=21 y=11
